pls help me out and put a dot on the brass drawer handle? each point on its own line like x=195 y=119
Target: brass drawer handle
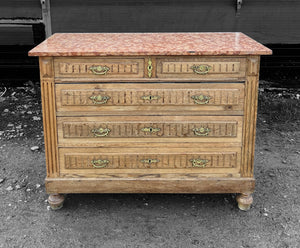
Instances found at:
x=201 y=69
x=99 y=70
x=200 y=163
x=150 y=97
x=202 y=131
x=201 y=99
x=100 y=132
x=99 y=99
x=99 y=163
x=149 y=161
x=150 y=129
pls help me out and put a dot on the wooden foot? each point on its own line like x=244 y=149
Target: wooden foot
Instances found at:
x=244 y=201
x=56 y=201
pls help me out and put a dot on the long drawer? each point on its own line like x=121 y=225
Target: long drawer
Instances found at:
x=98 y=130
x=155 y=97
x=145 y=160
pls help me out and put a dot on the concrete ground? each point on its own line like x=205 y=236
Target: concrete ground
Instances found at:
x=149 y=220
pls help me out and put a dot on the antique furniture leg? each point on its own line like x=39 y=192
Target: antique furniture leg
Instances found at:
x=244 y=201
x=56 y=201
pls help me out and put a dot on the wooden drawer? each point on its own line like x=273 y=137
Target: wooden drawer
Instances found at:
x=98 y=68
x=180 y=97
x=149 y=160
x=86 y=130
x=202 y=68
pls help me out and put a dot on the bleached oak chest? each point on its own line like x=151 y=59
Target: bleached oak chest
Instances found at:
x=149 y=113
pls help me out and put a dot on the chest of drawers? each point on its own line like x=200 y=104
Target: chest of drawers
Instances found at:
x=149 y=113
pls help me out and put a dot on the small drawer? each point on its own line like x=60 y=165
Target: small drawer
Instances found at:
x=145 y=98
x=98 y=69
x=149 y=160
x=202 y=68
x=99 y=130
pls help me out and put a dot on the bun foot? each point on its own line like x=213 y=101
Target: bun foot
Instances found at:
x=244 y=201
x=56 y=201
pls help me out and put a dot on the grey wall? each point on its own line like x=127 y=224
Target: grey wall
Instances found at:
x=268 y=21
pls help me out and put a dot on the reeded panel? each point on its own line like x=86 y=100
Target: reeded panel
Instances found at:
x=189 y=68
x=192 y=159
x=99 y=97
x=148 y=129
x=150 y=97
x=150 y=161
x=201 y=67
x=98 y=130
x=98 y=68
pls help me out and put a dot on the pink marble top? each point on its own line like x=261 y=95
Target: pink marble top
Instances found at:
x=131 y=44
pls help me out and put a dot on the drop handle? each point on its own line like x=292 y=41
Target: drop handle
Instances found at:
x=201 y=99
x=100 y=132
x=99 y=99
x=99 y=69
x=202 y=131
x=100 y=163
x=199 y=163
x=201 y=69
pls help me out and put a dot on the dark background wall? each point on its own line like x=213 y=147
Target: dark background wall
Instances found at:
x=11 y=32
x=275 y=23
x=268 y=21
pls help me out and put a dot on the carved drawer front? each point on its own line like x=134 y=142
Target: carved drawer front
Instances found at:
x=98 y=68
x=136 y=129
x=202 y=68
x=134 y=160
x=105 y=97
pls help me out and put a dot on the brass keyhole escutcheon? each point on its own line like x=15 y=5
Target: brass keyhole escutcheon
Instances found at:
x=149 y=161
x=150 y=97
x=149 y=67
x=150 y=129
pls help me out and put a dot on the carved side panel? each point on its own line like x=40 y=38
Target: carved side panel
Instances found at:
x=49 y=118
x=250 y=110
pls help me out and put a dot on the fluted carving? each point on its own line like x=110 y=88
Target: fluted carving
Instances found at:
x=49 y=118
x=250 y=110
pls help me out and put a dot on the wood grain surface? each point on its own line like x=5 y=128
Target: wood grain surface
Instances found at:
x=226 y=98
x=175 y=184
x=49 y=118
x=196 y=129
x=150 y=135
